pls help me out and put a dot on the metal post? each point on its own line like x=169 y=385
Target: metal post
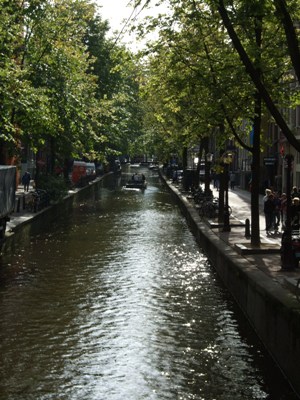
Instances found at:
x=18 y=204
x=287 y=256
x=247 y=228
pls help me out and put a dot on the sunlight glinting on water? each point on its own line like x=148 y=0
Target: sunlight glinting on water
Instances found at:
x=118 y=302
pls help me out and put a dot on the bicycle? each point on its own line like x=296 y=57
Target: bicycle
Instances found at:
x=209 y=208
x=33 y=201
x=38 y=199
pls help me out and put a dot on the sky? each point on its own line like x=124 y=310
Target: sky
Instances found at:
x=115 y=11
x=118 y=11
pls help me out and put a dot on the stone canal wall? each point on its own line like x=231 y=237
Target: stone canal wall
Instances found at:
x=272 y=310
x=25 y=225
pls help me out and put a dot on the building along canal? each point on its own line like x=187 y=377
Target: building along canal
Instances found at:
x=117 y=301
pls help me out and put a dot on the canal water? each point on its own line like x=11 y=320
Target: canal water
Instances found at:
x=117 y=301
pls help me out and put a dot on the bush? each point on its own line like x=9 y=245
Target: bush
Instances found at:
x=55 y=186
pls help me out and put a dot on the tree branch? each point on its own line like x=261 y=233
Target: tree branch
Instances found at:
x=256 y=79
x=290 y=33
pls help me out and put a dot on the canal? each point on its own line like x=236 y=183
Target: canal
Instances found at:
x=117 y=301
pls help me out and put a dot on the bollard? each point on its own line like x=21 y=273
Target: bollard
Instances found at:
x=18 y=204
x=247 y=228
x=24 y=202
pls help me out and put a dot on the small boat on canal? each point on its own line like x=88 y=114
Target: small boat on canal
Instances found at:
x=137 y=181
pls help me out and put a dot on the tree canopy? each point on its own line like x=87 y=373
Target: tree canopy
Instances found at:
x=65 y=85
x=213 y=46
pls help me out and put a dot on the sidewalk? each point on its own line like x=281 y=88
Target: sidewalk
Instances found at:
x=267 y=258
x=21 y=214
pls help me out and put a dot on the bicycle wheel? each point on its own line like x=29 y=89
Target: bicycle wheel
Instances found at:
x=211 y=211
x=201 y=210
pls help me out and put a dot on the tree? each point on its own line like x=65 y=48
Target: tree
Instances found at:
x=229 y=88
x=291 y=48
x=65 y=88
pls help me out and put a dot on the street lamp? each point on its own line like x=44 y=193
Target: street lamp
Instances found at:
x=287 y=256
x=227 y=159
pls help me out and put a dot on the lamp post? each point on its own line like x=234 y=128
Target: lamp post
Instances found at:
x=287 y=256
x=227 y=159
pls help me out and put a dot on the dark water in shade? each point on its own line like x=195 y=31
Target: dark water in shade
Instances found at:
x=117 y=302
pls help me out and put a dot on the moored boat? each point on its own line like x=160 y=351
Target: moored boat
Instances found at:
x=137 y=181
x=136 y=185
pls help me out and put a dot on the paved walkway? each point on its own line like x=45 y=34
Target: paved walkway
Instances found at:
x=267 y=258
x=21 y=214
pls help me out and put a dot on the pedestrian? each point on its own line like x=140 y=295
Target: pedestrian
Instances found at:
x=250 y=185
x=232 y=180
x=295 y=192
x=295 y=213
x=267 y=192
x=277 y=210
x=26 y=181
x=175 y=176
x=269 y=209
x=217 y=181
x=283 y=208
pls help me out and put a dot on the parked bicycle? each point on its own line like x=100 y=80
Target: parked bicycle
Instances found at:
x=199 y=195
x=209 y=207
x=37 y=200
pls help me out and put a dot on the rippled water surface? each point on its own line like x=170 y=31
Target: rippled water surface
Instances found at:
x=117 y=301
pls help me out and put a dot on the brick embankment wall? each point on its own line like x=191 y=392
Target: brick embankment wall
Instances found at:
x=272 y=310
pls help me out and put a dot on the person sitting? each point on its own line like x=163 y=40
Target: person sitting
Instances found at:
x=135 y=177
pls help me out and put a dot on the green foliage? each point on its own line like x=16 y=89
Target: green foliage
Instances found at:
x=65 y=87
x=194 y=78
x=55 y=186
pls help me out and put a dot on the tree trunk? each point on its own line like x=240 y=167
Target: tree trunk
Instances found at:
x=255 y=232
x=255 y=229
x=221 y=198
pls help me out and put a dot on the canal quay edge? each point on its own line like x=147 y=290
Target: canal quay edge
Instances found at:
x=24 y=224
x=272 y=309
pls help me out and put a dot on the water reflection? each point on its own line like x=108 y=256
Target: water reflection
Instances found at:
x=118 y=302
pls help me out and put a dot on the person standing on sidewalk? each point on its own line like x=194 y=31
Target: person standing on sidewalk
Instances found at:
x=26 y=181
x=295 y=213
x=269 y=211
x=283 y=209
x=295 y=192
x=232 y=180
x=277 y=210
